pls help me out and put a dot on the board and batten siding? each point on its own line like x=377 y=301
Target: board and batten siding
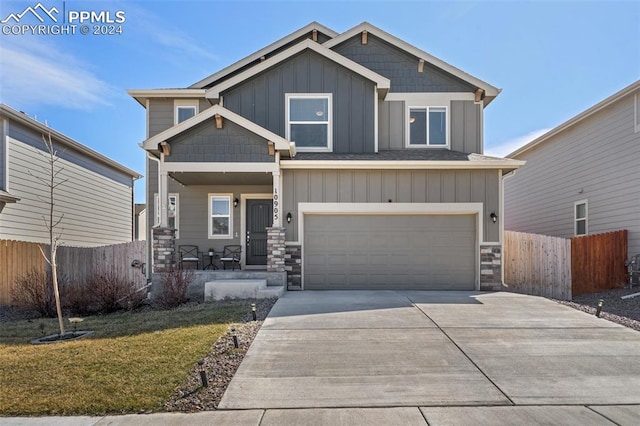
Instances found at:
x=261 y=99
x=97 y=210
x=161 y=113
x=465 y=126
x=399 y=66
x=380 y=186
x=596 y=160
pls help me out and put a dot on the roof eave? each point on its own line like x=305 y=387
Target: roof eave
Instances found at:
x=387 y=165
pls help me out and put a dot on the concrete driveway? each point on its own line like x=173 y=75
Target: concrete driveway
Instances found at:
x=445 y=352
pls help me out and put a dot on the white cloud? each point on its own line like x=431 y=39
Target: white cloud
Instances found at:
x=502 y=149
x=34 y=73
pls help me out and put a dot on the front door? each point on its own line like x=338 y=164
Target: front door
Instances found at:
x=259 y=217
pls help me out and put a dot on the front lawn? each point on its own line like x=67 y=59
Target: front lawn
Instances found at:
x=133 y=362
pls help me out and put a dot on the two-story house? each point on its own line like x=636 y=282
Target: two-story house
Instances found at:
x=353 y=161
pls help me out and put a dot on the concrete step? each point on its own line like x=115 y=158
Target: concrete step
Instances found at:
x=271 y=291
x=240 y=289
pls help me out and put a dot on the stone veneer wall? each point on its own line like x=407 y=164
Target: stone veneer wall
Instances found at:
x=293 y=266
x=164 y=247
x=275 y=249
x=491 y=268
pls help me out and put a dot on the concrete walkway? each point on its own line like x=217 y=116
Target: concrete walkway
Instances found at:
x=385 y=357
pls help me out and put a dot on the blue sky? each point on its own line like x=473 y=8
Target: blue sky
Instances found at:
x=552 y=59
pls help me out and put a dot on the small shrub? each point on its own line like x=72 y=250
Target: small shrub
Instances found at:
x=78 y=299
x=108 y=291
x=174 y=287
x=34 y=290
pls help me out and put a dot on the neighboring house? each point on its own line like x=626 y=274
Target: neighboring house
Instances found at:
x=353 y=161
x=583 y=177
x=140 y=222
x=96 y=200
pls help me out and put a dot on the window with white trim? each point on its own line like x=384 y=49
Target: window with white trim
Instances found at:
x=636 y=98
x=580 y=216
x=172 y=211
x=220 y=218
x=309 y=121
x=184 y=110
x=428 y=127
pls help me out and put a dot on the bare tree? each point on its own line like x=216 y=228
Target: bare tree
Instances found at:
x=52 y=181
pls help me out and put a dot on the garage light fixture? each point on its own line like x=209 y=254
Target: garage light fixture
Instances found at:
x=494 y=217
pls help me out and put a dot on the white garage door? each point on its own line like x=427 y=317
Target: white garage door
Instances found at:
x=423 y=252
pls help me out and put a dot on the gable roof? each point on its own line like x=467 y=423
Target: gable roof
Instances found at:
x=280 y=143
x=577 y=119
x=263 y=52
x=141 y=95
x=64 y=140
x=490 y=91
x=383 y=83
x=5 y=197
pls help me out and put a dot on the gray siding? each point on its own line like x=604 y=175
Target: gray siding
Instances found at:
x=595 y=160
x=391 y=125
x=97 y=210
x=34 y=139
x=161 y=114
x=465 y=126
x=400 y=67
x=232 y=143
x=380 y=186
x=261 y=99
x=2 y=153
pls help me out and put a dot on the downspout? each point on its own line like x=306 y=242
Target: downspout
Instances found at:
x=504 y=177
x=150 y=234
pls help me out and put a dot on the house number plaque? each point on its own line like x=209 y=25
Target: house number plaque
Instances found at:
x=276 y=210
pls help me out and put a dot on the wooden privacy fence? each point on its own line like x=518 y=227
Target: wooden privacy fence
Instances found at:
x=537 y=264
x=597 y=262
x=561 y=268
x=77 y=263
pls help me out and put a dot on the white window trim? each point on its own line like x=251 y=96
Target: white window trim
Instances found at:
x=408 y=126
x=636 y=110
x=228 y=236
x=156 y=210
x=184 y=103
x=329 y=97
x=586 y=218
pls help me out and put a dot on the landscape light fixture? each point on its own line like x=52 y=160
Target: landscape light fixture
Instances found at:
x=494 y=217
x=289 y=217
x=235 y=202
x=599 y=309
x=203 y=374
x=253 y=312
x=235 y=338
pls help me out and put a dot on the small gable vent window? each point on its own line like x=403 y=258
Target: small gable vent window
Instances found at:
x=428 y=127
x=580 y=217
x=309 y=121
x=184 y=110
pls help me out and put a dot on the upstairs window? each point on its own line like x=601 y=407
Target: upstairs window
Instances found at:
x=184 y=110
x=428 y=127
x=309 y=121
x=580 y=217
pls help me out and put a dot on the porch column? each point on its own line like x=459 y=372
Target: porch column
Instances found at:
x=277 y=199
x=163 y=196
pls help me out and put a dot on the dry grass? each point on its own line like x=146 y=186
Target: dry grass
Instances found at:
x=133 y=363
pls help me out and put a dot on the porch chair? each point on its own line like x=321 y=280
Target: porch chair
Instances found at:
x=188 y=254
x=231 y=254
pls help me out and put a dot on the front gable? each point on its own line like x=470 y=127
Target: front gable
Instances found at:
x=205 y=143
x=400 y=67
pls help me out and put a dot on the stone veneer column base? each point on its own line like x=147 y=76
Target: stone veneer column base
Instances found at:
x=164 y=242
x=275 y=249
x=491 y=267
x=293 y=266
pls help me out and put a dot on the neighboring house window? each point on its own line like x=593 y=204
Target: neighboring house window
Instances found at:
x=428 y=127
x=220 y=220
x=172 y=212
x=184 y=110
x=309 y=121
x=637 y=112
x=580 y=217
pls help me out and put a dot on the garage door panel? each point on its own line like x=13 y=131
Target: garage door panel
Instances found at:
x=390 y=252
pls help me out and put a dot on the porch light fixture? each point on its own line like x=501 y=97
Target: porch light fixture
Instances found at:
x=289 y=217
x=235 y=202
x=494 y=217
